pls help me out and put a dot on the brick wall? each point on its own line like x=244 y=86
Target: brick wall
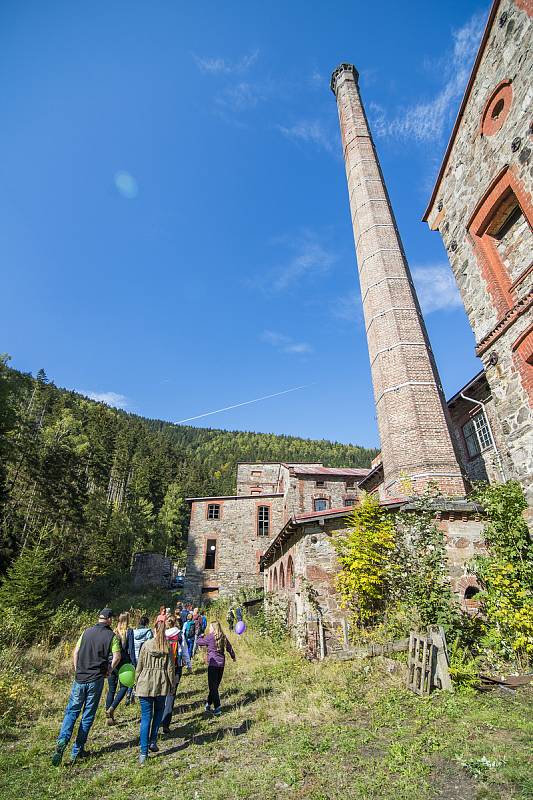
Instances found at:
x=412 y=416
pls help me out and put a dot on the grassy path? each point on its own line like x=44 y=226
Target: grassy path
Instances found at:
x=290 y=729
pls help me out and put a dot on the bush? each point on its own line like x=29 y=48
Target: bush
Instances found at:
x=67 y=622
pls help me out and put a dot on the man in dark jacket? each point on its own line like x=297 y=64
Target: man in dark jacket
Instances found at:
x=91 y=664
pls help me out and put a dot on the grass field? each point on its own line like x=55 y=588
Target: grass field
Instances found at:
x=290 y=729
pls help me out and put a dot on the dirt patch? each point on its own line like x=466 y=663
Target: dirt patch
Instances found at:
x=451 y=781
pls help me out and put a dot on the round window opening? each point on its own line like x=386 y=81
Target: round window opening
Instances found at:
x=497 y=108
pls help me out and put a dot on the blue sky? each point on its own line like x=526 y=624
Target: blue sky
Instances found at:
x=175 y=234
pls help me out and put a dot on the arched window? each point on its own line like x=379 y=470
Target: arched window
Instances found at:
x=290 y=573
x=269 y=580
x=470 y=592
x=281 y=577
x=275 y=580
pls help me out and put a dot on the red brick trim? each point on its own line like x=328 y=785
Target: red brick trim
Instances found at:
x=501 y=95
x=525 y=5
x=524 y=344
x=504 y=185
x=505 y=323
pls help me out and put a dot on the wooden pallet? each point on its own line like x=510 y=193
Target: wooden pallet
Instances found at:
x=427 y=662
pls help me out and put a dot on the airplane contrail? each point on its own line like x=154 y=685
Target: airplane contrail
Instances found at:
x=246 y=403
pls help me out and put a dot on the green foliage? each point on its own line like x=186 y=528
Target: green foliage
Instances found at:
x=271 y=619
x=93 y=484
x=464 y=668
x=419 y=567
x=25 y=590
x=506 y=573
x=364 y=549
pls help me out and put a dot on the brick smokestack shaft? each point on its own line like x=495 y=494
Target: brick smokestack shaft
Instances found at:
x=412 y=417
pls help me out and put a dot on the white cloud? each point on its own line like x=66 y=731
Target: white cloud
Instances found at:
x=436 y=288
x=347 y=308
x=240 y=97
x=109 y=398
x=310 y=257
x=310 y=131
x=285 y=344
x=426 y=121
x=126 y=185
x=222 y=66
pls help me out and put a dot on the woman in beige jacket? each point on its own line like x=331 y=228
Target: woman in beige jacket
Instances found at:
x=155 y=676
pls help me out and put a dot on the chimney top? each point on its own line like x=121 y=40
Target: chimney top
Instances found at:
x=341 y=69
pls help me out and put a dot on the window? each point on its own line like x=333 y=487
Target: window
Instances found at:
x=256 y=473
x=263 y=520
x=321 y=504
x=350 y=484
x=477 y=434
x=255 y=490
x=213 y=511
x=210 y=554
x=320 y=483
x=349 y=502
x=281 y=577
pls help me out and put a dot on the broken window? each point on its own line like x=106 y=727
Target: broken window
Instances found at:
x=210 y=554
x=349 y=502
x=263 y=520
x=213 y=511
x=320 y=483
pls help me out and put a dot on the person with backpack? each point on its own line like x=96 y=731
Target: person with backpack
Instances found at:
x=115 y=690
x=180 y=652
x=155 y=678
x=140 y=636
x=184 y=615
x=203 y=618
x=188 y=632
x=91 y=664
x=238 y=614
x=217 y=644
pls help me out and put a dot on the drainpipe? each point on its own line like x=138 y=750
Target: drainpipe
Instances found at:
x=489 y=426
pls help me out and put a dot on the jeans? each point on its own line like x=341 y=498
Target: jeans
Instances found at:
x=151 y=714
x=83 y=697
x=191 y=644
x=112 y=700
x=169 y=700
x=214 y=676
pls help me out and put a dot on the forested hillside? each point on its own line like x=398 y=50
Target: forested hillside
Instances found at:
x=84 y=485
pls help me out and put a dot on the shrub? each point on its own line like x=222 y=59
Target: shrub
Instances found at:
x=506 y=573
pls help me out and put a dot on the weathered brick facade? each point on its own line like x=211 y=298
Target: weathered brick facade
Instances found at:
x=235 y=526
x=482 y=207
x=301 y=565
x=411 y=411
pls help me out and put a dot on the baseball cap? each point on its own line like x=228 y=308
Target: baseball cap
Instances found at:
x=106 y=613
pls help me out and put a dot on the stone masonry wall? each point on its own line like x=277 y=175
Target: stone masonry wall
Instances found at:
x=238 y=544
x=265 y=477
x=475 y=162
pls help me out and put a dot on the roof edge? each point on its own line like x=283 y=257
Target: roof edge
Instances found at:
x=464 y=101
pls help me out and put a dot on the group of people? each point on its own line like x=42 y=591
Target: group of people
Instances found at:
x=158 y=653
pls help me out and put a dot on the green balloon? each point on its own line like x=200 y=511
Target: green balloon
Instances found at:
x=126 y=675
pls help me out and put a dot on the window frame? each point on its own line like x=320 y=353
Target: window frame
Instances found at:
x=325 y=500
x=208 y=553
x=213 y=505
x=260 y=507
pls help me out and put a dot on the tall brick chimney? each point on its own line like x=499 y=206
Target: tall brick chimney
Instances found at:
x=412 y=415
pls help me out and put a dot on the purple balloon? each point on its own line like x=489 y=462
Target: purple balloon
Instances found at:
x=240 y=627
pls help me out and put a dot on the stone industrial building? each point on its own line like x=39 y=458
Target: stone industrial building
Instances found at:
x=228 y=535
x=481 y=205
